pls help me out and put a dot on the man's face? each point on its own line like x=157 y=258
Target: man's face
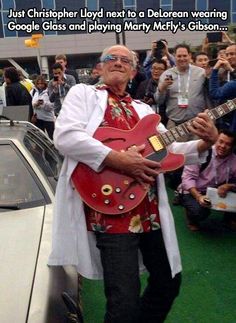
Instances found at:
x=202 y=61
x=58 y=73
x=97 y=71
x=224 y=145
x=156 y=70
x=182 y=58
x=62 y=62
x=230 y=53
x=117 y=67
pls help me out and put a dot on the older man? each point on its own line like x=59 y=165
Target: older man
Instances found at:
x=105 y=245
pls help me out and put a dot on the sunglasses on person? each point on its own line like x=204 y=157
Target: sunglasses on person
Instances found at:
x=115 y=58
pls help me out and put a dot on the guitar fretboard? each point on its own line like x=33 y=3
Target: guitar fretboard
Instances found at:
x=179 y=131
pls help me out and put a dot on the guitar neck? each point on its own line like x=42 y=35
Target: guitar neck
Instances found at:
x=180 y=131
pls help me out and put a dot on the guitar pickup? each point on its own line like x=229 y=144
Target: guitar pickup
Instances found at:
x=155 y=143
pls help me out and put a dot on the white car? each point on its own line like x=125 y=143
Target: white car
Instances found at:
x=30 y=290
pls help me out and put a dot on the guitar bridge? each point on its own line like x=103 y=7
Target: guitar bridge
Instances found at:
x=155 y=143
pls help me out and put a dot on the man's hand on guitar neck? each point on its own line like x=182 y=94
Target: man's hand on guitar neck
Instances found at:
x=204 y=128
x=132 y=163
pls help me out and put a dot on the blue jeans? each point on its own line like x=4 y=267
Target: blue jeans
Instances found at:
x=119 y=256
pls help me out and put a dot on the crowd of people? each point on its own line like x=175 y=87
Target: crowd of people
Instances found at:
x=122 y=93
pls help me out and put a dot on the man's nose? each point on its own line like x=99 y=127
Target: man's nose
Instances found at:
x=118 y=61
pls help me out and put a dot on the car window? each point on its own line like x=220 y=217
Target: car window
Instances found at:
x=48 y=159
x=18 y=187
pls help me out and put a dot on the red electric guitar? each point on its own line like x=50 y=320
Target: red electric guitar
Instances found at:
x=111 y=192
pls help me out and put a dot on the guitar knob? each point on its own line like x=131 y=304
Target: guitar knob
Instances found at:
x=106 y=189
x=121 y=207
x=107 y=202
x=132 y=196
x=118 y=189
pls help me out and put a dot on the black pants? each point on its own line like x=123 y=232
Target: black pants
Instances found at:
x=119 y=255
x=46 y=125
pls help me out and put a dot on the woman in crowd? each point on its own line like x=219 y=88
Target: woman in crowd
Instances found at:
x=43 y=108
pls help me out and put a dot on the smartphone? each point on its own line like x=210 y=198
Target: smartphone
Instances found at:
x=55 y=78
x=214 y=37
x=207 y=200
x=212 y=62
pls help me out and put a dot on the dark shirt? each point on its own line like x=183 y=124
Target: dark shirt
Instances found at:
x=73 y=73
x=17 y=94
x=224 y=93
x=133 y=85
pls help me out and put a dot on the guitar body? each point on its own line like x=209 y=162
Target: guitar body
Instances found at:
x=109 y=191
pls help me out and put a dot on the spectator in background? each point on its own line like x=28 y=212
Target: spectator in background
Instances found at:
x=95 y=74
x=16 y=93
x=182 y=89
x=227 y=71
x=202 y=60
x=185 y=96
x=147 y=88
x=220 y=172
x=61 y=59
x=158 y=51
x=139 y=77
x=223 y=93
x=59 y=86
x=42 y=106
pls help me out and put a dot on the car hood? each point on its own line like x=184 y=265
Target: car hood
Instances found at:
x=20 y=235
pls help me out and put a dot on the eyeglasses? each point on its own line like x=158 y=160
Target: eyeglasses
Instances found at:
x=158 y=68
x=115 y=58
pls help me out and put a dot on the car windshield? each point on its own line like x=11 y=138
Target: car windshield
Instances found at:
x=18 y=188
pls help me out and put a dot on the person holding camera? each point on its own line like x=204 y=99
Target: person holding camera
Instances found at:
x=59 y=86
x=62 y=59
x=159 y=51
x=43 y=116
x=219 y=171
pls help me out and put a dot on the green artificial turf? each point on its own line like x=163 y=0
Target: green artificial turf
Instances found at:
x=208 y=290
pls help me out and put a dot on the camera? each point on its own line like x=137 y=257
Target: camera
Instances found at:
x=212 y=62
x=214 y=37
x=158 y=52
x=169 y=77
x=55 y=78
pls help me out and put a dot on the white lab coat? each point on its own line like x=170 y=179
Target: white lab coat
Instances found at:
x=82 y=113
